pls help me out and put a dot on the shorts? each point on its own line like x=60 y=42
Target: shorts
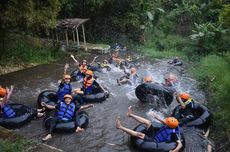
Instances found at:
x=149 y=134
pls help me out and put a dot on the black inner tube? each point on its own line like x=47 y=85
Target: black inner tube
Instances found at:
x=147 y=146
x=24 y=115
x=165 y=94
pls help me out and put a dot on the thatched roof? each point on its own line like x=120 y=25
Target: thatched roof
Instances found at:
x=70 y=22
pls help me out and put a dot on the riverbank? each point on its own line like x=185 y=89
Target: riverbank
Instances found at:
x=11 y=142
x=24 y=51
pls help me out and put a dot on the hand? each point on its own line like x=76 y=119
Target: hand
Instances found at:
x=91 y=105
x=7 y=90
x=11 y=87
x=59 y=81
x=153 y=114
x=72 y=56
x=95 y=57
x=107 y=92
x=43 y=104
x=66 y=66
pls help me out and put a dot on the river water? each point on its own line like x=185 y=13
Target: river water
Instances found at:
x=101 y=134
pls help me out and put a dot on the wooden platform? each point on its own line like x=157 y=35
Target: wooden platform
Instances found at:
x=100 y=48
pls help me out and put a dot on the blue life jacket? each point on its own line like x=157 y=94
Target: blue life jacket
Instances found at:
x=66 y=112
x=133 y=78
x=64 y=89
x=8 y=112
x=164 y=134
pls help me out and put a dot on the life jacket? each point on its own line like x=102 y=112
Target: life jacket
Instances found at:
x=8 y=112
x=188 y=101
x=83 y=69
x=133 y=77
x=64 y=89
x=164 y=134
x=66 y=112
x=88 y=85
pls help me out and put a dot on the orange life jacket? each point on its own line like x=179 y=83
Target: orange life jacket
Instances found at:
x=83 y=69
x=88 y=83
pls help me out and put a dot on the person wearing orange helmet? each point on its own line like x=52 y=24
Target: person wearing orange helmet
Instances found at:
x=6 y=109
x=66 y=111
x=168 y=133
x=148 y=79
x=187 y=104
x=83 y=66
x=129 y=77
x=64 y=87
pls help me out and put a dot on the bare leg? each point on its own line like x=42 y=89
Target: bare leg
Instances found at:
x=138 y=118
x=129 y=131
x=80 y=129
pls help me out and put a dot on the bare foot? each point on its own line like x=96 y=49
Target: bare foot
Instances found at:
x=80 y=129
x=129 y=111
x=118 y=123
x=49 y=136
x=40 y=114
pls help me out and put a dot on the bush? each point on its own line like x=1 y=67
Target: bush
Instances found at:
x=213 y=72
x=26 y=49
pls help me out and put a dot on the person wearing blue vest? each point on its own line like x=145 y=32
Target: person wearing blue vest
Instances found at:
x=66 y=111
x=64 y=87
x=169 y=132
x=6 y=109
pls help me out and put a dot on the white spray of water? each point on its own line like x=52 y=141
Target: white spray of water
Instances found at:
x=160 y=114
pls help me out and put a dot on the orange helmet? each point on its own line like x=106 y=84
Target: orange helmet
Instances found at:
x=171 y=122
x=133 y=70
x=66 y=76
x=68 y=96
x=2 y=92
x=184 y=96
x=89 y=72
x=148 y=78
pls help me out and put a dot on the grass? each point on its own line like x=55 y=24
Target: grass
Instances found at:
x=21 y=49
x=153 y=53
x=17 y=146
x=161 y=46
x=213 y=73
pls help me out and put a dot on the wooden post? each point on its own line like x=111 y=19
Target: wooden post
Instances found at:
x=78 y=43
x=56 y=33
x=66 y=36
x=83 y=32
x=73 y=36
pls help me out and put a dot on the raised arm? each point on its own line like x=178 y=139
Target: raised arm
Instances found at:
x=8 y=94
x=75 y=60
x=157 y=117
x=180 y=101
x=65 y=68
x=93 y=60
